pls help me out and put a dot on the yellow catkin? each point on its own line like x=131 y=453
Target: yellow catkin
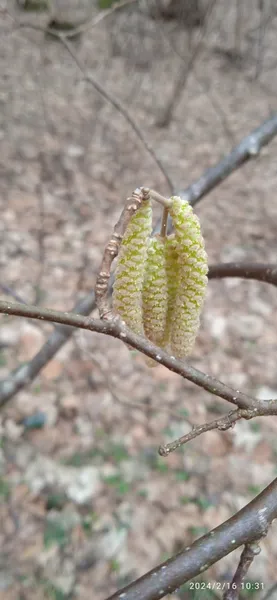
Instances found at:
x=192 y=277
x=154 y=291
x=172 y=276
x=129 y=274
x=155 y=294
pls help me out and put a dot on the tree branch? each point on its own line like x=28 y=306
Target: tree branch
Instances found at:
x=26 y=373
x=222 y=424
x=116 y=329
x=195 y=192
x=265 y=272
x=185 y=71
x=245 y=527
x=247 y=556
x=23 y=376
x=249 y=147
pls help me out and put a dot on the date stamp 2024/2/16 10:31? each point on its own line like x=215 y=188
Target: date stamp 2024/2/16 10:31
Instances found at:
x=226 y=585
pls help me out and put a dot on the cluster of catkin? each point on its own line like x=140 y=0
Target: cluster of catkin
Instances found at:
x=160 y=281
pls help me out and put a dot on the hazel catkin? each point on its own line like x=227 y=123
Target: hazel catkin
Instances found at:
x=192 y=277
x=154 y=291
x=160 y=281
x=129 y=274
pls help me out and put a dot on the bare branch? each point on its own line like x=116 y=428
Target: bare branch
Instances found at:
x=247 y=556
x=245 y=527
x=25 y=374
x=116 y=329
x=194 y=193
x=265 y=272
x=249 y=147
x=222 y=424
x=112 y=248
x=9 y=292
x=260 y=42
x=120 y=108
x=20 y=378
x=182 y=78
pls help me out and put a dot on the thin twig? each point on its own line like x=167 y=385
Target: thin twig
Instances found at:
x=166 y=202
x=166 y=116
x=7 y=290
x=120 y=108
x=63 y=38
x=245 y=527
x=260 y=42
x=111 y=250
x=164 y=222
x=247 y=556
x=238 y=27
x=217 y=106
x=115 y=328
x=222 y=424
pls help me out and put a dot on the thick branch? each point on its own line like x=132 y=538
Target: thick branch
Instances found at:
x=116 y=329
x=245 y=527
x=261 y=272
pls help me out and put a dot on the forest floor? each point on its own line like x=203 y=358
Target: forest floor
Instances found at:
x=86 y=502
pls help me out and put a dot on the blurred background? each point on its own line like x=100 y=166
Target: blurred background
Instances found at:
x=86 y=503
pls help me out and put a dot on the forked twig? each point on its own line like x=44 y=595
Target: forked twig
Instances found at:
x=222 y=424
x=247 y=556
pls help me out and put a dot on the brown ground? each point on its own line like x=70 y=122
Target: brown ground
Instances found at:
x=87 y=505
